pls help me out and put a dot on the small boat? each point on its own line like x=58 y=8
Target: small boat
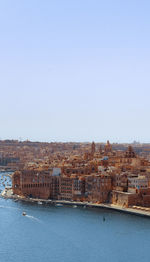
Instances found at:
x=58 y=205
x=74 y=206
x=39 y=202
x=24 y=213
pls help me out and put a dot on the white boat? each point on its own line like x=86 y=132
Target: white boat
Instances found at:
x=24 y=213
x=74 y=206
x=39 y=202
x=58 y=205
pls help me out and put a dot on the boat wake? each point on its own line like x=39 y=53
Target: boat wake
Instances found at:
x=33 y=218
x=9 y=207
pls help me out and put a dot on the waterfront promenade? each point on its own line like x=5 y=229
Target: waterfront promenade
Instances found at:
x=138 y=211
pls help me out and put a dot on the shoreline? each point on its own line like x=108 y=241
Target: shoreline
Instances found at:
x=7 y=194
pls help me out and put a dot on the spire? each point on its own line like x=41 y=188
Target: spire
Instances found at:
x=93 y=148
x=108 y=147
x=130 y=152
x=100 y=149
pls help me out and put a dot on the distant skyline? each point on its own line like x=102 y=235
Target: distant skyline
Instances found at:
x=75 y=70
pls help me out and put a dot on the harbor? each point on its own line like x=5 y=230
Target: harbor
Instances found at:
x=42 y=231
x=7 y=193
x=135 y=210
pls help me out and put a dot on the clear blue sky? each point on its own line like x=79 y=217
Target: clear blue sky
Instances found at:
x=75 y=70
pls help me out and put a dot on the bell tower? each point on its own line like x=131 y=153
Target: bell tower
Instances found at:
x=108 y=147
x=93 y=148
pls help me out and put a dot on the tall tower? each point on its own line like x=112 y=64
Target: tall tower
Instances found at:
x=130 y=153
x=108 y=147
x=100 y=149
x=93 y=148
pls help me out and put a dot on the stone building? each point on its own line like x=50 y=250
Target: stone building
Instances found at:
x=83 y=169
x=32 y=183
x=98 y=187
x=136 y=183
x=72 y=188
x=66 y=188
x=120 y=181
x=36 y=184
x=123 y=199
x=129 y=199
x=78 y=188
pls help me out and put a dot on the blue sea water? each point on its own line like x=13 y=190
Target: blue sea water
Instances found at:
x=66 y=234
